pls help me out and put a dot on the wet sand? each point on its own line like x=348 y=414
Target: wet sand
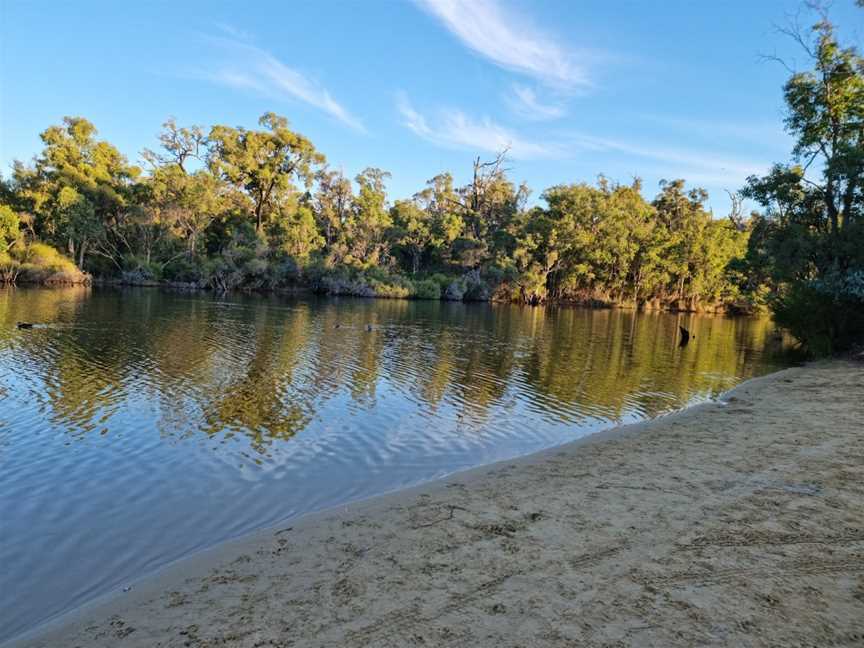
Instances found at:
x=736 y=523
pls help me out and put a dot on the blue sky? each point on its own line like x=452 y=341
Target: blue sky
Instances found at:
x=574 y=88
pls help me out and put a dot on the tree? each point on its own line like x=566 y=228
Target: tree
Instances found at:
x=370 y=218
x=441 y=202
x=263 y=164
x=489 y=204
x=79 y=190
x=296 y=233
x=810 y=241
x=179 y=146
x=412 y=230
x=333 y=202
x=180 y=202
x=10 y=230
x=185 y=204
x=683 y=214
x=603 y=238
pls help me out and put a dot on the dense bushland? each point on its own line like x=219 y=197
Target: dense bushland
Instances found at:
x=259 y=209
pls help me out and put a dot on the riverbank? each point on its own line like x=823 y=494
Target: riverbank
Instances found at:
x=364 y=291
x=732 y=523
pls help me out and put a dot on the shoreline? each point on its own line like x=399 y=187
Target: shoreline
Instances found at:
x=188 y=592
x=654 y=306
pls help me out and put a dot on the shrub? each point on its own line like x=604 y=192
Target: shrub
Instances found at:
x=827 y=316
x=442 y=280
x=218 y=273
x=44 y=256
x=427 y=289
x=469 y=287
x=40 y=263
x=184 y=270
x=9 y=268
x=338 y=285
x=137 y=271
x=255 y=271
x=395 y=287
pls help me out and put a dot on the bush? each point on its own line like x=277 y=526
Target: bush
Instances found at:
x=442 y=280
x=40 y=263
x=285 y=272
x=138 y=271
x=826 y=316
x=255 y=272
x=44 y=256
x=469 y=287
x=394 y=287
x=341 y=283
x=183 y=270
x=427 y=289
x=373 y=282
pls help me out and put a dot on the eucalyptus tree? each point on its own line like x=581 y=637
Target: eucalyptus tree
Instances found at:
x=412 y=230
x=80 y=191
x=489 y=204
x=370 y=219
x=179 y=146
x=183 y=202
x=264 y=164
x=10 y=228
x=440 y=201
x=333 y=201
x=809 y=244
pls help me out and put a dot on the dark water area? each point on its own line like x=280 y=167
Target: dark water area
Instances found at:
x=138 y=426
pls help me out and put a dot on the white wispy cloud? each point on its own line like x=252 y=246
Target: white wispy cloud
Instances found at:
x=689 y=162
x=233 y=32
x=455 y=129
x=524 y=102
x=767 y=132
x=507 y=40
x=698 y=167
x=247 y=67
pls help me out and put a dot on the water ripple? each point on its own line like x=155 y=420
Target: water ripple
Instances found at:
x=139 y=426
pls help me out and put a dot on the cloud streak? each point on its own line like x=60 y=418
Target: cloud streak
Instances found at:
x=247 y=67
x=688 y=163
x=525 y=104
x=455 y=129
x=484 y=27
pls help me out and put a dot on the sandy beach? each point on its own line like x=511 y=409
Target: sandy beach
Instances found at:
x=737 y=523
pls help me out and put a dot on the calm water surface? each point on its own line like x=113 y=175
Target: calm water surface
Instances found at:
x=138 y=426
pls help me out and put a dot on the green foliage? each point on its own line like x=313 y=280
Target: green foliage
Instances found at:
x=183 y=270
x=80 y=191
x=40 y=263
x=427 y=289
x=825 y=322
x=10 y=227
x=257 y=210
x=263 y=164
x=808 y=247
x=137 y=270
x=295 y=233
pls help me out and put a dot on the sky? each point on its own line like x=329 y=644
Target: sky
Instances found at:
x=572 y=88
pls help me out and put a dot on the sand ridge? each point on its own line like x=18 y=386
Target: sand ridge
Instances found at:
x=738 y=523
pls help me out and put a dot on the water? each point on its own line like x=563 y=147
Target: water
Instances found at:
x=138 y=426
